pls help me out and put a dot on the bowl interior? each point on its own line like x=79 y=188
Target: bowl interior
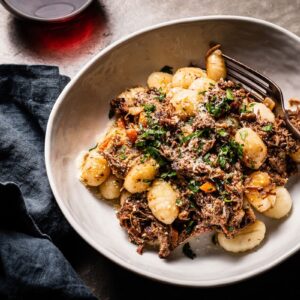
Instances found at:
x=82 y=114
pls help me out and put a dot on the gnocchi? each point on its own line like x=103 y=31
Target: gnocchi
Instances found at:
x=248 y=238
x=296 y=156
x=254 y=149
x=94 y=169
x=140 y=176
x=282 y=206
x=215 y=64
x=262 y=112
x=111 y=187
x=185 y=103
x=259 y=191
x=160 y=80
x=162 y=201
x=185 y=76
x=202 y=84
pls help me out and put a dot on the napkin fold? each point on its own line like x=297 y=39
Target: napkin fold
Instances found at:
x=31 y=224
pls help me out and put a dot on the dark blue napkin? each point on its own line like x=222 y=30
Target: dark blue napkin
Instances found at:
x=31 y=266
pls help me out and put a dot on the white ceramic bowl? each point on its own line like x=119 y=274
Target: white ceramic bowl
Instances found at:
x=81 y=113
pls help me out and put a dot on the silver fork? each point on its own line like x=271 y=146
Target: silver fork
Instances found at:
x=259 y=86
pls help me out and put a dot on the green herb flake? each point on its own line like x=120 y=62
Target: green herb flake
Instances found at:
x=161 y=96
x=148 y=181
x=168 y=174
x=206 y=158
x=93 y=147
x=243 y=134
x=178 y=202
x=230 y=228
x=194 y=186
x=229 y=94
x=123 y=153
x=222 y=132
x=149 y=107
x=167 y=69
x=267 y=128
x=187 y=251
x=227 y=200
x=190 y=227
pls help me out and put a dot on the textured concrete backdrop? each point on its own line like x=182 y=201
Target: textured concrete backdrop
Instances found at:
x=70 y=47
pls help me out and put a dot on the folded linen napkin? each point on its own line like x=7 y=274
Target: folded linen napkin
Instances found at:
x=30 y=221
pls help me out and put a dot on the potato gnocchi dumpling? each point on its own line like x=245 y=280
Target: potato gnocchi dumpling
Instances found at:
x=262 y=112
x=185 y=103
x=94 y=169
x=140 y=176
x=259 y=191
x=202 y=84
x=248 y=238
x=194 y=152
x=282 y=205
x=160 y=80
x=162 y=201
x=185 y=76
x=296 y=156
x=254 y=149
x=111 y=187
x=215 y=64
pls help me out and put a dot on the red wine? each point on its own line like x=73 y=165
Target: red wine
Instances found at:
x=46 y=9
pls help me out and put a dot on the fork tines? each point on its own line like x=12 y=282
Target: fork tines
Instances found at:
x=257 y=84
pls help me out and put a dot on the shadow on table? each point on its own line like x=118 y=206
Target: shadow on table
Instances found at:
x=109 y=281
x=52 y=40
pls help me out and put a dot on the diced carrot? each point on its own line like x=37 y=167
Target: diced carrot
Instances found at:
x=143 y=119
x=132 y=134
x=104 y=144
x=268 y=102
x=121 y=123
x=208 y=187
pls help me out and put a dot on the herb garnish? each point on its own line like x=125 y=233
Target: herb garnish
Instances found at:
x=190 y=227
x=161 y=97
x=243 y=135
x=229 y=153
x=123 y=152
x=194 y=186
x=217 y=107
x=195 y=134
x=149 y=107
x=93 y=147
x=167 y=69
x=178 y=202
x=169 y=174
x=229 y=94
x=187 y=251
x=222 y=132
x=267 y=128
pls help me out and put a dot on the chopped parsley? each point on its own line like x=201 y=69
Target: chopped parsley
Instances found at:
x=169 y=174
x=149 y=107
x=267 y=128
x=190 y=227
x=229 y=94
x=195 y=134
x=229 y=153
x=167 y=69
x=93 y=147
x=222 y=132
x=230 y=228
x=206 y=158
x=122 y=152
x=161 y=97
x=178 y=202
x=187 y=251
x=218 y=107
x=243 y=134
x=194 y=186
x=147 y=181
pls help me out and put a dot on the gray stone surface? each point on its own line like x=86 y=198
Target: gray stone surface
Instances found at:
x=104 y=22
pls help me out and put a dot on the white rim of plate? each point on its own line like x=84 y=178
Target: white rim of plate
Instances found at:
x=76 y=226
